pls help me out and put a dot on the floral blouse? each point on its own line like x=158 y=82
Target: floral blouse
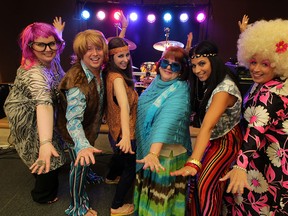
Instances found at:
x=265 y=149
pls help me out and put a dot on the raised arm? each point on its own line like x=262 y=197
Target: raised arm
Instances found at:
x=59 y=25
x=189 y=41
x=243 y=25
x=124 y=24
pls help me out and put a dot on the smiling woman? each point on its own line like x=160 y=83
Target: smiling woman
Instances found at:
x=120 y=110
x=262 y=166
x=163 y=137
x=217 y=109
x=33 y=99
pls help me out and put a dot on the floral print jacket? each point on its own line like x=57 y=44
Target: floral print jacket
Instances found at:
x=265 y=149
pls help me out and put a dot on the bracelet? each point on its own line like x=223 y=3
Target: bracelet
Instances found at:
x=192 y=165
x=45 y=141
x=240 y=168
x=154 y=154
x=196 y=162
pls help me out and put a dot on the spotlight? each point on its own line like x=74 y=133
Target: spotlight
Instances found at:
x=133 y=16
x=85 y=14
x=200 y=17
x=117 y=15
x=151 y=18
x=167 y=17
x=100 y=15
x=184 y=17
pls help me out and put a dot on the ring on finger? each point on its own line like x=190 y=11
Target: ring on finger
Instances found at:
x=40 y=163
x=187 y=171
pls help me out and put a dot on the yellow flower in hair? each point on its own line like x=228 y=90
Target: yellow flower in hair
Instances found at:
x=281 y=47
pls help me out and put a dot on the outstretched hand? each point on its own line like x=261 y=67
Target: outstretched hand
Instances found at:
x=238 y=181
x=184 y=171
x=86 y=156
x=151 y=161
x=125 y=146
x=43 y=163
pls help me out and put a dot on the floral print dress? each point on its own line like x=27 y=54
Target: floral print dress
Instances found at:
x=264 y=153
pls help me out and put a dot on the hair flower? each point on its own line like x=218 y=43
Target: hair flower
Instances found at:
x=281 y=47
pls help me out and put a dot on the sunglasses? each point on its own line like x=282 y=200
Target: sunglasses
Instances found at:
x=175 y=67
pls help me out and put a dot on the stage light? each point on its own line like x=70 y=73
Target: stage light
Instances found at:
x=200 y=17
x=151 y=18
x=100 y=15
x=184 y=17
x=167 y=17
x=133 y=16
x=85 y=14
x=117 y=15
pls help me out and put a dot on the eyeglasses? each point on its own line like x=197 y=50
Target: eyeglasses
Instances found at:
x=175 y=67
x=40 y=46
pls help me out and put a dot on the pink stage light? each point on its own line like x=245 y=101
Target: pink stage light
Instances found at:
x=151 y=18
x=201 y=17
x=101 y=15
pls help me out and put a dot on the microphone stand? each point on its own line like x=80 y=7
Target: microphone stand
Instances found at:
x=117 y=26
x=167 y=32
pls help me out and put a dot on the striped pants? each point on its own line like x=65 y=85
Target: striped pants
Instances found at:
x=79 y=204
x=219 y=156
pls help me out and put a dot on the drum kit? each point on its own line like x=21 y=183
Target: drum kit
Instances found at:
x=148 y=69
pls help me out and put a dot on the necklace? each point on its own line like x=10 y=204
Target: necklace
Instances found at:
x=200 y=94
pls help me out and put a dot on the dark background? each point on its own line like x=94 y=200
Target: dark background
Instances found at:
x=142 y=33
x=220 y=27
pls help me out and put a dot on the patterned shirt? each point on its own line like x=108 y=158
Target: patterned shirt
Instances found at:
x=231 y=117
x=76 y=105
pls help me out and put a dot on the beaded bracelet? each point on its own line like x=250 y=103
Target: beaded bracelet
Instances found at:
x=192 y=165
x=45 y=141
x=154 y=154
x=196 y=162
x=240 y=168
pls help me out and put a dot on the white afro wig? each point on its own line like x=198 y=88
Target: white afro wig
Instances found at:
x=270 y=40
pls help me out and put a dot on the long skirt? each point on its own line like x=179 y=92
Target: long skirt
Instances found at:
x=158 y=193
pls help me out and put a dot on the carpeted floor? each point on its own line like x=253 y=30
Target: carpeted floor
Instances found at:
x=16 y=183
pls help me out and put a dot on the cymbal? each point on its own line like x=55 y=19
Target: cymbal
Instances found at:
x=131 y=45
x=162 y=45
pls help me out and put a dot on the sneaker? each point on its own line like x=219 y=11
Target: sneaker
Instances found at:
x=114 y=181
x=126 y=209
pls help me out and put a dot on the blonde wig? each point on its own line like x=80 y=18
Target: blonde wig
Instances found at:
x=92 y=36
x=268 y=39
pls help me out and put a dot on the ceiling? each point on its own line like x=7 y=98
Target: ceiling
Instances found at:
x=149 y=2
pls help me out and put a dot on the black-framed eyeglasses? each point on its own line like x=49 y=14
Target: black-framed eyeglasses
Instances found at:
x=175 y=66
x=40 y=46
